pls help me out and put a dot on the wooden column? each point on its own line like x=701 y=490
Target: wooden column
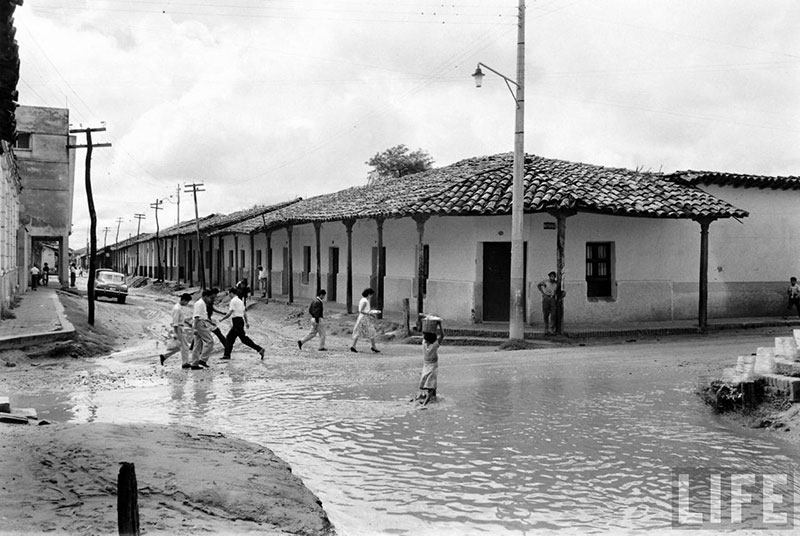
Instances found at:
x=317 y=231
x=381 y=266
x=561 y=235
x=253 y=274
x=268 y=235
x=220 y=262
x=235 y=259
x=702 y=301
x=291 y=266
x=348 y=224
x=420 y=219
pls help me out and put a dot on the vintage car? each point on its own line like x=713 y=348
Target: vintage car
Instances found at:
x=110 y=284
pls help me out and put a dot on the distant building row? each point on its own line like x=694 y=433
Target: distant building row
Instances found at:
x=633 y=246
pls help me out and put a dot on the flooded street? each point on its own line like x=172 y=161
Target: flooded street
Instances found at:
x=579 y=438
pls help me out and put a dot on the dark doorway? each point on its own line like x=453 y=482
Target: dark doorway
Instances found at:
x=497 y=280
x=333 y=272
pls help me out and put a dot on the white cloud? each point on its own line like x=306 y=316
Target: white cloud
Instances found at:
x=266 y=101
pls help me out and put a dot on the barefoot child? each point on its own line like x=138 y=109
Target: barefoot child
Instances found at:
x=430 y=366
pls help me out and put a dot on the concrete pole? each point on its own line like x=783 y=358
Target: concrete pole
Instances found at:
x=517 y=313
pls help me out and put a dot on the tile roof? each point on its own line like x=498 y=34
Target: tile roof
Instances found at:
x=483 y=185
x=737 y=180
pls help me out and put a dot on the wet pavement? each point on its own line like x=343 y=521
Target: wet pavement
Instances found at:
x=579 y=439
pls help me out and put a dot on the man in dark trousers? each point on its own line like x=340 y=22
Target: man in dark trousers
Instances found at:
x=317 y=322
x=239 y=321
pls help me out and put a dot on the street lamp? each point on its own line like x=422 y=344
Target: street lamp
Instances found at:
x=517 y=307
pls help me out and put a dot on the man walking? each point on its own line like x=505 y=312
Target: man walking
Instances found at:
x=549 y=290
x=34 y=277
x=238 y=322
x=203 y=341
x=317 y=322
x=178 y=329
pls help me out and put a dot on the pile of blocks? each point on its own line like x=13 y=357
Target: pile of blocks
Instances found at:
x=19 y=415
x=778 y=366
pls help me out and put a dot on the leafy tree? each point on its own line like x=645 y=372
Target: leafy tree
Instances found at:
x=398 y=161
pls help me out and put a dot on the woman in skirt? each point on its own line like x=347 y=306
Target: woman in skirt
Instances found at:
x=365 y=324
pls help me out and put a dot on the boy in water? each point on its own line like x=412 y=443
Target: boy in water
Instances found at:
x=431 y=340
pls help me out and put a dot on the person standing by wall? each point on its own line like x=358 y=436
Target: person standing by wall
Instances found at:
x=45 y=274
x=262 y=281
x=317 y=321
x=73 y=273
x=549 y=289
x=793 y=293
x=238 y=316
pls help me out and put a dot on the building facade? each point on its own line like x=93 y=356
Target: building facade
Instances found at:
x=47 y=170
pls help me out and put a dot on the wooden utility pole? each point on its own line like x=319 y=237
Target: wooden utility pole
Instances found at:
x=157 y=206
x=105 y=235
x=139 y=217
x=178 y=235
x=92 y=214
x=116 y=243
x=194 y=188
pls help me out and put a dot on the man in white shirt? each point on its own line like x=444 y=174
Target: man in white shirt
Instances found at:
x=203 y=341
x=34 y=277
x=178 y=329
x=549 y=289
x=262 y=281
x=238 y=315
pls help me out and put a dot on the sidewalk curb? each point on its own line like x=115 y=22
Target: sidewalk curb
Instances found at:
x=67 y=331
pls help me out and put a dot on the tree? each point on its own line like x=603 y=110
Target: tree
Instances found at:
x=397 y=161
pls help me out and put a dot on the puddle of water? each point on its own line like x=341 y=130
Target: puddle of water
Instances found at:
x=513 y=447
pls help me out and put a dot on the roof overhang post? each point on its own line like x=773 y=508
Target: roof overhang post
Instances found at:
x=561 y=237
x=268 y=236
x=348 y=225
x=253 y=274
x=420 y=220
x=317 y=232
x=702 y=300
x=291 y=266
x=381 y=265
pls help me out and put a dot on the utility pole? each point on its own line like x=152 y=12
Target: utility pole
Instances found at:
x=92 y=214
x=139 y=217
x=178 y=235
x=116 y=242
x=157 y=206
x=194 y=188
x=105 y=236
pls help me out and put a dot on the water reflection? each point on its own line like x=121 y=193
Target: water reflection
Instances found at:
x=512 y=447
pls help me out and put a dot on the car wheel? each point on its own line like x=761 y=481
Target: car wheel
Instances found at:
x=121 y=299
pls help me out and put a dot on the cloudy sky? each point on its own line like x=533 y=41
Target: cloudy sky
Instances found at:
x=267 y=100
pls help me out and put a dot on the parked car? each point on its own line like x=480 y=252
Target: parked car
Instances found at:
x=110 y=284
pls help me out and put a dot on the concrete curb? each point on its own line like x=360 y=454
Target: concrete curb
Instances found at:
x=67 y=331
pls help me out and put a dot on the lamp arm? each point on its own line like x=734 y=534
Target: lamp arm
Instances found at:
x=501 y=75
x=507 y=80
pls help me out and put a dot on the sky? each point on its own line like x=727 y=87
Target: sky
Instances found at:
x=263 y=101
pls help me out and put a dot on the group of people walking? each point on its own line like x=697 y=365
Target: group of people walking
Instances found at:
x=196 y=335
x=193 y=337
